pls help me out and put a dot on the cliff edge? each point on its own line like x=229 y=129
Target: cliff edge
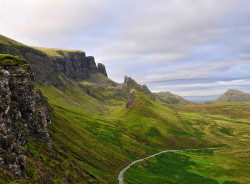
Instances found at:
x=49 y=64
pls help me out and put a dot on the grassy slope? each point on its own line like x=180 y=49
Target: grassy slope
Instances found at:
x=102 y=144
x=170 y=98
x=7 y=41
x=156 y=124
x=100 y=79
x=90 y=143
x=53 y=52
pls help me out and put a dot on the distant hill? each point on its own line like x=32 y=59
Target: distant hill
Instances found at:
x=233 y=96
x=170 y=98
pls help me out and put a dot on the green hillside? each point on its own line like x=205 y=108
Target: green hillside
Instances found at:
x=54 y=52
x=7 y=41
x=154 y=123
x=170 y=98
x=233 y=96
x=101 y=136
x=101 y=141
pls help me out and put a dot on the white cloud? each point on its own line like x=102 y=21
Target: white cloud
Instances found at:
x=47 y=22
x=153 y=41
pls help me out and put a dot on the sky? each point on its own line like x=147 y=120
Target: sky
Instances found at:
x=194 y=48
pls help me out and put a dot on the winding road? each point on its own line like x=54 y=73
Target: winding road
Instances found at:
x=120 y=176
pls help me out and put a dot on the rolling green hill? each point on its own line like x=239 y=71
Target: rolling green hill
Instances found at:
x=233 y=96
x=170 y=98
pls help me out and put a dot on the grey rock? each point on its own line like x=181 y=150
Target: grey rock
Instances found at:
x=102 y=69
x=24 y=112
x=91 y=64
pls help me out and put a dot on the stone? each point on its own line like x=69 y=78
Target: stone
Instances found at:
x=24 y=112
x=101 y=68
x=131 y=99
x=91 y=64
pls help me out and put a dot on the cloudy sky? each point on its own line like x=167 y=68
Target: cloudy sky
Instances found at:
x=195 y=48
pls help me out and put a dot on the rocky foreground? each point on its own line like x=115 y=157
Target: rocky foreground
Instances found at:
x=24 y=113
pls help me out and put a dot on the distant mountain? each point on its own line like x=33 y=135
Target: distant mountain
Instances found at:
x=170 y=98
x=233 y=96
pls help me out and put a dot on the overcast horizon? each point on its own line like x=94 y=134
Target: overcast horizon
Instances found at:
x=192 y=48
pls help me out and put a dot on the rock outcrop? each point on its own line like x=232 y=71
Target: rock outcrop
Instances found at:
x=101 y=68
x=131 y=99
x=91 y=64
x=24 y=112
x=132 y=84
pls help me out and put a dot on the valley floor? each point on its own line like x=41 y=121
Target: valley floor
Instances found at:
x=220 y=166
x=217 y=123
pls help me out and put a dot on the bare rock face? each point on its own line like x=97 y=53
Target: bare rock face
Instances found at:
x=72 y=64
x=131 y=99
x=101 y=68
x=23 y=113
x=91 y=64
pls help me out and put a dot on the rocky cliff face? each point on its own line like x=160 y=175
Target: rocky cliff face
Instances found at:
x=48 y=64
x=23 y=113
x=72 y=64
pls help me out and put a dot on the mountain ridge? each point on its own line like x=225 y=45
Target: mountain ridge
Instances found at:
x=49 y=64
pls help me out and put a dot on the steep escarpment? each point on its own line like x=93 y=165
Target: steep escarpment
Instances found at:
x=23 y=113
x=50 y=64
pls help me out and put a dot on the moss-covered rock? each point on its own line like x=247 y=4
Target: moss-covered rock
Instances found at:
x=9 y=60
